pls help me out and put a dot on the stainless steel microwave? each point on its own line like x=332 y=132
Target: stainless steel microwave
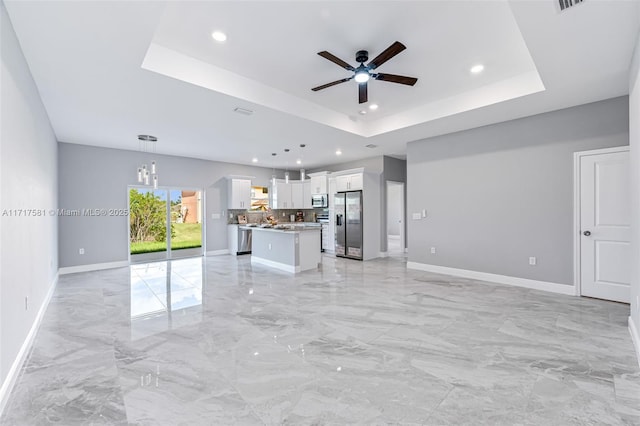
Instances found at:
x=320 y=200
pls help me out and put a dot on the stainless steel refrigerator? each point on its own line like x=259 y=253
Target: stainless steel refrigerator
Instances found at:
x=348 y=210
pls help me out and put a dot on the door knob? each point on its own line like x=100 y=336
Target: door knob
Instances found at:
x=586 y=233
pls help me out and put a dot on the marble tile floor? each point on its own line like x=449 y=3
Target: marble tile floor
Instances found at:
x=219 y=341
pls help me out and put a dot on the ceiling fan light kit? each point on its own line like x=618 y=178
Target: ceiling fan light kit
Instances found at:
x=363 y=73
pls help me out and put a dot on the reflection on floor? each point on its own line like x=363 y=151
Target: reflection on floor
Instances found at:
x=222 y=341
x=157 y=286
x=393 y=246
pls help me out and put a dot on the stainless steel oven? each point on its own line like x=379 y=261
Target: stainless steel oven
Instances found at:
x=320 y=200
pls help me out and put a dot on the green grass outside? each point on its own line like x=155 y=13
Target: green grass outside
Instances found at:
x=188 y=235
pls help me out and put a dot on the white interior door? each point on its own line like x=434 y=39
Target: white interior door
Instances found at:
x=605 y=268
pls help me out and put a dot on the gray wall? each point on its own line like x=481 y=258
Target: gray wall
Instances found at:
x=92 y=177
x=498 y=194
x=634 y=136
x=28 y=180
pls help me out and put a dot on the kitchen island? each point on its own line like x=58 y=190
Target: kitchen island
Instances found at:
x=293 y=249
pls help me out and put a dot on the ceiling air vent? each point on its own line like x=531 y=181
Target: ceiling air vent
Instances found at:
x=565 y=4
x=243 y=111
x=371 y=146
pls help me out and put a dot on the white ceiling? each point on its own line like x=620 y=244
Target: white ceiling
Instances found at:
x=108 y=71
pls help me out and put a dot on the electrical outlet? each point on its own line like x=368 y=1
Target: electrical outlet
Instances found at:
x=433 y=250
x=81 y=251
x=269 y=246
x=532 y=261
x=424 y=213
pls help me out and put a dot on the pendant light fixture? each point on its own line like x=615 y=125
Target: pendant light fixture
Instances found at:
x=273 y=173
x=148 y=176
x=303 y=174
x=286 y=173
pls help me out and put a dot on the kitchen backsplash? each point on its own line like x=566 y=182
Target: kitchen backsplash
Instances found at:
x=281 y=215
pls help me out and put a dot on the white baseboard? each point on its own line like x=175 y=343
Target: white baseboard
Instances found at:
x=217 y=252
x=500 y=279
x=277 y=265
x=383 y=254
x=635 y=337
x=92 y=267
x=16 y=367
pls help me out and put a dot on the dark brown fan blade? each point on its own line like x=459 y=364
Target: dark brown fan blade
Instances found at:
x=333 y=83
x=392 y=78
x=389 y=53
x=336 y=60
x=362 y=93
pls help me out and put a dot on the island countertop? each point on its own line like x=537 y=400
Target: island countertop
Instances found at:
x=292 y=250
x=286 y=228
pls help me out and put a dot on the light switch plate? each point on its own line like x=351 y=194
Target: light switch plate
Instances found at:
x=417 y=216
x=215 y=215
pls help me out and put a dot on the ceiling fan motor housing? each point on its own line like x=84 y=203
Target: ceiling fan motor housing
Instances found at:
x=362 y=56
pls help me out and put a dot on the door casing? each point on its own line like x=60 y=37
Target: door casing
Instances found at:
x=577 y=256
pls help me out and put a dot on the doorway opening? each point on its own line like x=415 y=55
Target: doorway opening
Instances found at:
x=164 y=224
x=395 y=219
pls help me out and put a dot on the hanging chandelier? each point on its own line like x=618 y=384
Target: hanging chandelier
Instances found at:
x=148 y=175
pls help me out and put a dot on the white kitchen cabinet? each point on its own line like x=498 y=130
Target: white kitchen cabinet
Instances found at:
x=282 y=196
x=318 y=185
x=306 y=194
x=239 y=194
x=297 y=195
x=353 y=182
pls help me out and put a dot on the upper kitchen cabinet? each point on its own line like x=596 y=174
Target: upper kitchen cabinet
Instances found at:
x=319 y=183
x=239 y=193
x=297 y=195
x=281 y=197
x=350 y=182
x=306 y=195
x=290 y=196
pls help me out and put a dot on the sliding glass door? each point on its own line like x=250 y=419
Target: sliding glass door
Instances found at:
x=186 y=223
x=164 y=224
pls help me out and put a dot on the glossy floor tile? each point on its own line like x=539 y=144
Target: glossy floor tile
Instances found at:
x=219 y=341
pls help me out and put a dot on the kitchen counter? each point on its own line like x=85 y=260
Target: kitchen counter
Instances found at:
x=292 y=250
x=298 y=227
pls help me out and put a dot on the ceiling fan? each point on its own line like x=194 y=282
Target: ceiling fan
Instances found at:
x=363 y=73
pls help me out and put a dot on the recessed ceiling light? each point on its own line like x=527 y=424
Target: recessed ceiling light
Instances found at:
x=219 y=36
x=477 y=69
x=363 y=112
x=254 y=160
x=298 y=161
x=338 y=152
x=373 y=107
